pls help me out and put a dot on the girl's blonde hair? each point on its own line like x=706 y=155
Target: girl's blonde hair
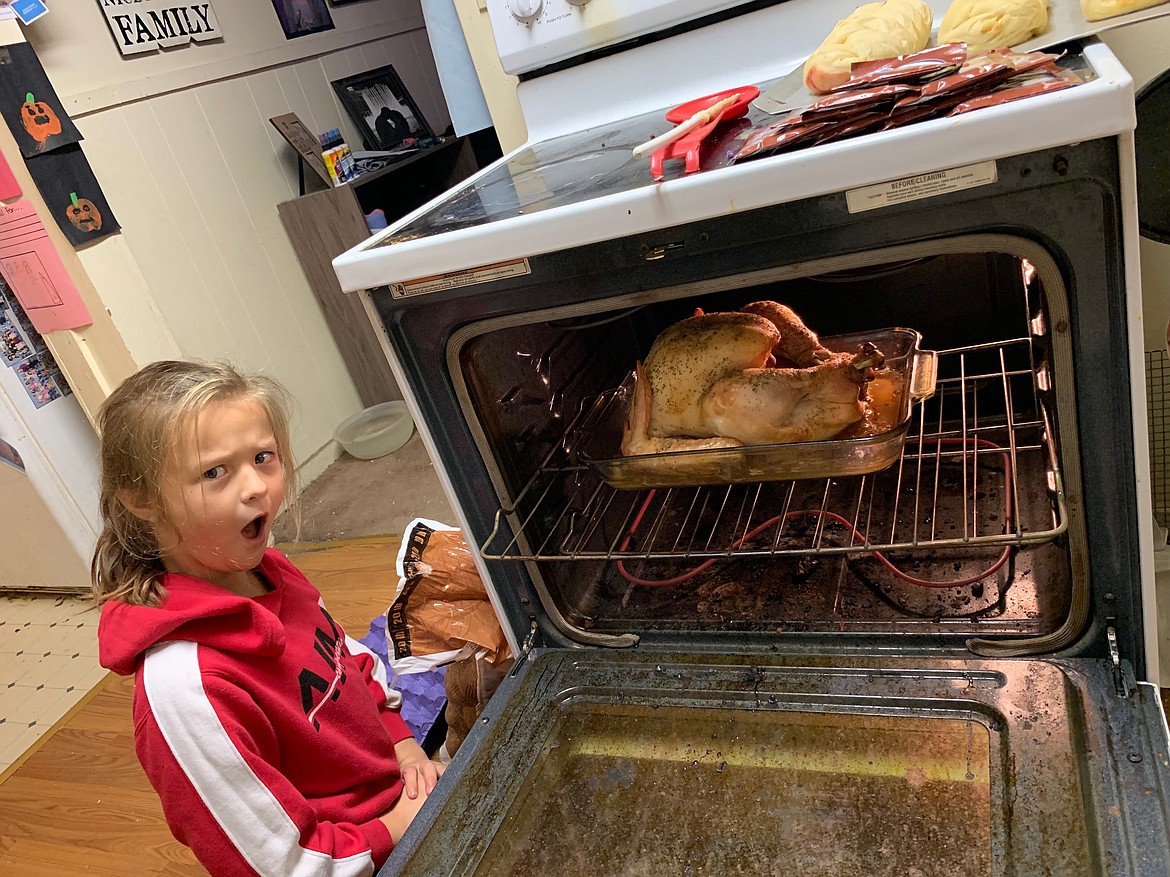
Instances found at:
x=141 y=426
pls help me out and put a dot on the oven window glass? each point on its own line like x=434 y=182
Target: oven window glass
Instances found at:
x=543 y=176
x=624 y=790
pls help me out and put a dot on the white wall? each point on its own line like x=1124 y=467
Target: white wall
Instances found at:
x=499 y=89
x=75 y=45
x=182 y=146
x=49 y=517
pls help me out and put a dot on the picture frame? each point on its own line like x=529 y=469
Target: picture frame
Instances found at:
x=382 y=108
x=11 y=456
x=293 y=130
x=300 y=18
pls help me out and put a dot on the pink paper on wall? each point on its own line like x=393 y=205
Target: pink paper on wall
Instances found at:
x=35 y=272
x=9 y=188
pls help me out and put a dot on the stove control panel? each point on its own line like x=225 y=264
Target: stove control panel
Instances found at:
x=525 y=10
x=535 y=33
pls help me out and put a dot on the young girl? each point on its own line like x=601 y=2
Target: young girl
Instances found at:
x=269 y=735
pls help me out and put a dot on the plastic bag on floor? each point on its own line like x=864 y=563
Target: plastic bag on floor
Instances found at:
x=424 y=695
x=441 y=612
x=441 y=617
x=470 y=683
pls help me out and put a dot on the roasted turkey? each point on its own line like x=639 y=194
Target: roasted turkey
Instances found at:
x=709 y=382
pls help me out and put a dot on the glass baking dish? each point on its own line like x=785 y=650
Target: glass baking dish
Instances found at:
x=909 y=375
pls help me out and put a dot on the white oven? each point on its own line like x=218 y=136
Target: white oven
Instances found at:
x=940 y=665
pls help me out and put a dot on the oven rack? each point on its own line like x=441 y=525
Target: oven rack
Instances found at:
x=979 y=468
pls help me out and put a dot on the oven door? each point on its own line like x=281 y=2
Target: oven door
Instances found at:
x=603 y=763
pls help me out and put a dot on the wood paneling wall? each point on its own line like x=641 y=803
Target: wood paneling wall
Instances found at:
x=194 y=176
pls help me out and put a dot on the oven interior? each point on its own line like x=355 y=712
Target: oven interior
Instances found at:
x=967 y=533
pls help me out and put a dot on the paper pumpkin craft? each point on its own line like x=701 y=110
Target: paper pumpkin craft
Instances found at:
x=39 y=120
x=29 y=104
x=83 y=214
x=72 y=194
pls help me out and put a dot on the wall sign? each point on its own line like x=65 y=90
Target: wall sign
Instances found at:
x=28 y=11
x=145 y=25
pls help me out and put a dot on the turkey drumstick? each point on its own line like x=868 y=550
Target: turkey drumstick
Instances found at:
x=798 y=343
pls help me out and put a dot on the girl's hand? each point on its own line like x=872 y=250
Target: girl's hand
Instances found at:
x=418 y=771
x=398 y=819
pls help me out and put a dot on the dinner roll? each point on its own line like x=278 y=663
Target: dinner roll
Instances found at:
x=1095 y=10
x=870 y=32
x=993 y=24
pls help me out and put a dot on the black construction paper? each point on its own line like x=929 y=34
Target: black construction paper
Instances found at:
x=29 y=104
x=72 y=194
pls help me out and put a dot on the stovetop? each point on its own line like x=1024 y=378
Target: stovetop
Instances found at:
x=584 y=187
x=570 y=169
x=587 y=165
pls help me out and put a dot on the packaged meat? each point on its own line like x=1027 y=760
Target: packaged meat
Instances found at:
x=989 y=24
x=778 y=137
x=852 y=127
x=1021 y=62
x=844 y=104
x=852 y=109
x=1040 y=85
x=875 y=30
x=917 y=113
x=981 y=77
x=916 y=67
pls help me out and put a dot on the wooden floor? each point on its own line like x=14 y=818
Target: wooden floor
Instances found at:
x=80 y=803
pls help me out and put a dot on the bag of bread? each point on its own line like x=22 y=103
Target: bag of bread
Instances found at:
x=470 y=683
x=441 y=611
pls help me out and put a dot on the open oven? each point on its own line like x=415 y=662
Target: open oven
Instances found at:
x=935 y=664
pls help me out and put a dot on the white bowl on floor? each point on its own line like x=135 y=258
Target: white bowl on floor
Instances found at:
x=375 y=432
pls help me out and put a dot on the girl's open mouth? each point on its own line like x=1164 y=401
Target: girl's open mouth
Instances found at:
x=254 y=527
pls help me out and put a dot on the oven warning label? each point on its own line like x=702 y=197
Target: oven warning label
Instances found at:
x=921 y=186
x=457 y=279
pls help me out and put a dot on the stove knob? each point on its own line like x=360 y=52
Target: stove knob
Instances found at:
x=526 y=10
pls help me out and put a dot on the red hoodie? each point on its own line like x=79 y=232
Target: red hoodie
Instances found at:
x=263 y=728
